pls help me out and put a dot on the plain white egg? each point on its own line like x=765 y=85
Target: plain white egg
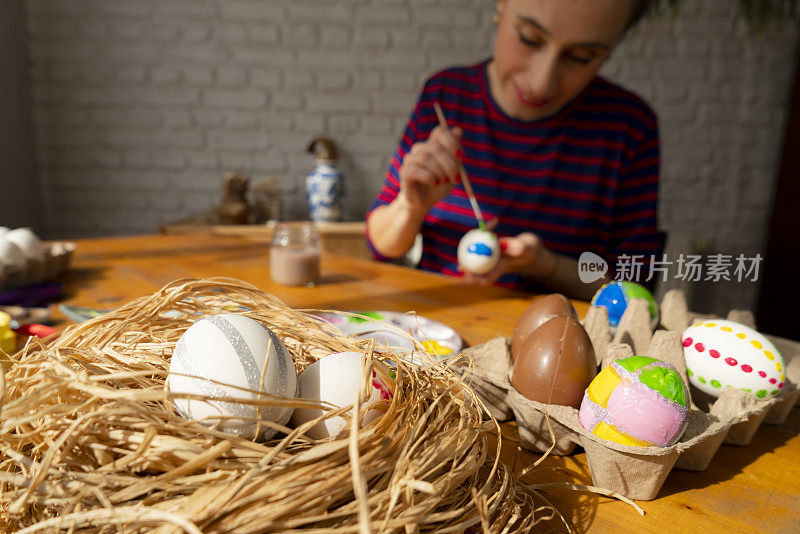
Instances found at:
x=26 y=240
x=225 y=356
x=478 y=251
x=11 y=255
x=336 y=379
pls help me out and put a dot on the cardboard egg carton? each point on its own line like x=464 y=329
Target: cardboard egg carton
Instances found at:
x=634 y=330
x=636 y=472
x=57 y=257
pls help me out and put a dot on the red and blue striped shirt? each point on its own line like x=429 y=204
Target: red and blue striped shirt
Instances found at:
x=584 y=179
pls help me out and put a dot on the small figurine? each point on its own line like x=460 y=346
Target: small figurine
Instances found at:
x=266 y=197
x=234 y=208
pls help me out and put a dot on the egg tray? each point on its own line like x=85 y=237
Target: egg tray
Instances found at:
x=636 y=472
x=634 y=330
x=57 y=258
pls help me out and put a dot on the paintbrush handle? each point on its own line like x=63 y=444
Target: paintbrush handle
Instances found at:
x=470 y=193
x=462 y=172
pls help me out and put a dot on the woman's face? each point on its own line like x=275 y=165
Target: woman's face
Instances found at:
x=547 y=51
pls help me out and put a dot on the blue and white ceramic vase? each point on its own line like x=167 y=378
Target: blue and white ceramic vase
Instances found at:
x=324 y=185
x=324 y=192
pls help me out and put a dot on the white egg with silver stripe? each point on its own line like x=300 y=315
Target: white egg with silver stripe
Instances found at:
x=231 y=357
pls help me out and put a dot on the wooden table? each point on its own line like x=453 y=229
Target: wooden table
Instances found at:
x=746 y=489
x=345 y=238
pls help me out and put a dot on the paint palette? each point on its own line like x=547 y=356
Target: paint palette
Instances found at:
x=400 y=330
x=80 y=314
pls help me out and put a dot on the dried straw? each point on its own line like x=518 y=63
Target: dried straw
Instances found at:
x=90 y=441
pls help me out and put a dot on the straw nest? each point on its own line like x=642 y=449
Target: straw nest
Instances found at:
x=90 y=440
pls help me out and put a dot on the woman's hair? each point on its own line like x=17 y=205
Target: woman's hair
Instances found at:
x=638 y=10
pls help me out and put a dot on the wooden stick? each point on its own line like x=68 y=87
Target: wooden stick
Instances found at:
x=463 y=172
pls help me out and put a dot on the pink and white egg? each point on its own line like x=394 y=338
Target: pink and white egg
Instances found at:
x=722 y=353
x=637 y=401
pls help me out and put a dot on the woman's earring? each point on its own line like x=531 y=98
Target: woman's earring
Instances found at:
x=496 y=18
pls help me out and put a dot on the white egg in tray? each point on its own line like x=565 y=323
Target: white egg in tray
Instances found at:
x=25 y=259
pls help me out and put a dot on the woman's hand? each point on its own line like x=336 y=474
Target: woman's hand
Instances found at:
x=430 y=169
x=524 y=253
x=427 y=173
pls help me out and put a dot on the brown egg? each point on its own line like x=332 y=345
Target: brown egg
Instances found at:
x=539 y=312
x=556 y=363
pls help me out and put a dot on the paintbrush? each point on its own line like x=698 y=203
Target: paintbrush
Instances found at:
x=463 y=173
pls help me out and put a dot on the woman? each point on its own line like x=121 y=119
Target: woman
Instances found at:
x=561 y=160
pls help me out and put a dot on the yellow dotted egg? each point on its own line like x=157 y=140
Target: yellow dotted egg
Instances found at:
x=769 y=355
x=726 y=329
x=741 y=336
x=756 y=344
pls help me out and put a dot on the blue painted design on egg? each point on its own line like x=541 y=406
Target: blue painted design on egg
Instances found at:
x=479 y=248
x=612 y=297
x=615 y=297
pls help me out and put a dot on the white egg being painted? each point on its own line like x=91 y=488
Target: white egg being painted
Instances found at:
x=478 y=251
x=225 y=356
x=722 y=353
x=336 y=379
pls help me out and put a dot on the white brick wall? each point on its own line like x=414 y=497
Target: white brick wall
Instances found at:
x=722 y=94
x=140 y=107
